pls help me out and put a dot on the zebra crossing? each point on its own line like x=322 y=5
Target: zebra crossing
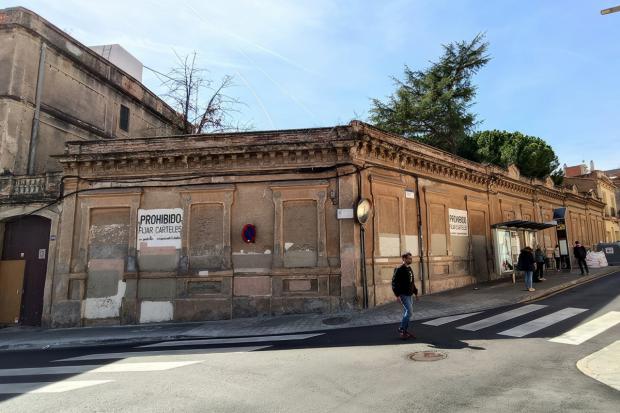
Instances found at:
x=575 y=336
x=73 y=373
x=156 y=358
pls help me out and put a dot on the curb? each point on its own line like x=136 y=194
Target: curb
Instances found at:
x=571 y=284
x=351 y=324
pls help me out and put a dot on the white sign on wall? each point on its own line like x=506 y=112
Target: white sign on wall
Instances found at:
x=160 y=227
x=346 y=213
x=457 y=218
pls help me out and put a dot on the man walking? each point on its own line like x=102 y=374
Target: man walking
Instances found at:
x=404 y=287
x=580 y=254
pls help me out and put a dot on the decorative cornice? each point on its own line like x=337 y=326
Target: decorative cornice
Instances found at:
x=300 y=150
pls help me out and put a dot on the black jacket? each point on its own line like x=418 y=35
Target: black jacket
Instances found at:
x=402 y=281
x=526 y=261
x=580 y=252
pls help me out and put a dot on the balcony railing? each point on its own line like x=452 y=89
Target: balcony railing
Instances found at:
x=30 y=188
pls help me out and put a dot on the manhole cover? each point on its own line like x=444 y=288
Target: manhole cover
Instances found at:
x=427 y=356
x=336 y=320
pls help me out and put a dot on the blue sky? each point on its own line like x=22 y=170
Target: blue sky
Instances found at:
x=554 y=72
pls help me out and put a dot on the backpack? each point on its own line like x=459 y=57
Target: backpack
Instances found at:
x=394 y=288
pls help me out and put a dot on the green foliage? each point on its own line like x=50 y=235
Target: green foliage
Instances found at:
x=557 y=177
x=433 y=104
x=532 y=155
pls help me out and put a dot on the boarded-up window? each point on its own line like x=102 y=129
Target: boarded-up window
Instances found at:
x=388 y=223
x=575 y=229
x=411 y=227
x=107 y=252
x=109 y=233
x=584 y=231
x=206 y=236
x=508 y=214
x=438 y=230
x=478 y=227
x=300 y=231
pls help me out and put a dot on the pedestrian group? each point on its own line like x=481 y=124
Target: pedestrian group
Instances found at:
x=532 y=263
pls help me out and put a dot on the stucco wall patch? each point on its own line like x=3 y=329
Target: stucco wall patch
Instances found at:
x=389 y=245
x=105 y=307
x=156 y=311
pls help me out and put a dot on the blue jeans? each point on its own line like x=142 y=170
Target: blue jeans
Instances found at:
x=527 y=275
x=406 y=301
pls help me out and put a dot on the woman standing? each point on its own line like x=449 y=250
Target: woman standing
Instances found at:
x=526 y=264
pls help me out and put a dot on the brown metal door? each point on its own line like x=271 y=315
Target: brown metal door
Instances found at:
x=11 y=288
x=28 y=239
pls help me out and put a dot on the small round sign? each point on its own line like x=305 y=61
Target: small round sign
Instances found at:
x=362 y=211
x=248 y=233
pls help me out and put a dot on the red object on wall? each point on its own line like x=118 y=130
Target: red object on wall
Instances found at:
x=248 y=233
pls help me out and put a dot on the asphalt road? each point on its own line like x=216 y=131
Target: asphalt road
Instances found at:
x=512 y=359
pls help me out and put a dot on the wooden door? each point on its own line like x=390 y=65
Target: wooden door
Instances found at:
x=11 y=289
x=27 y=239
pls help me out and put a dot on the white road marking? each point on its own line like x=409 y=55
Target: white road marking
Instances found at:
x=257 y=339
x=48 y=387
x=500 y=318
x=589 y=329
x=542 y=322
x=604 y=365
x=97 y=368
x=142 y=354
x=449 y=319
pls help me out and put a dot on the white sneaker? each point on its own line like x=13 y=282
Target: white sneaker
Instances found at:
x=531 y=289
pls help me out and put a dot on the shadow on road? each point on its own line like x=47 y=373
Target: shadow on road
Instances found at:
x=594 y=297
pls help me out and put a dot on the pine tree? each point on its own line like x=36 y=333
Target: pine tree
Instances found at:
x=433 y=105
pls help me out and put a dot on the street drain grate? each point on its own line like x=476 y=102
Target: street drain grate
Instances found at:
x=333 y=321
x=427 y=356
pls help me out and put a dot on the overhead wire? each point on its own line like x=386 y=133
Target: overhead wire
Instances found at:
x=138 y=180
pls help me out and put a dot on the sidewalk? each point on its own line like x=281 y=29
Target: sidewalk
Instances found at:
x=463 y=300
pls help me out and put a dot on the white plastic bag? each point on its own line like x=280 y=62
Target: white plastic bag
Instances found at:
x=596 y=259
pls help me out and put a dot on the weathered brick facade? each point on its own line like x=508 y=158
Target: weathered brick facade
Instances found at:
x=112 y=267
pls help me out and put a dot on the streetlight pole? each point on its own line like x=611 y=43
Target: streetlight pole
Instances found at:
x=610 y=10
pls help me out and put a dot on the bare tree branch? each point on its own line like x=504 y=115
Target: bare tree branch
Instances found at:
x=185 y=86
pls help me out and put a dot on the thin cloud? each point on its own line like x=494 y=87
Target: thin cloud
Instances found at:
x=215 y=27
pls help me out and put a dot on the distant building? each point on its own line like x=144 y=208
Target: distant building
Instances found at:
x=576 y=170
x=614 y=175
x=53 y=89
x=603 y=187
x=121 y=58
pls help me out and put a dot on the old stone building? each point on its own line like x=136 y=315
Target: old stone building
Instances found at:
x=53 y=89
x=99 y=227
x=232 y=225
x=597 y=184
x=614 y=175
